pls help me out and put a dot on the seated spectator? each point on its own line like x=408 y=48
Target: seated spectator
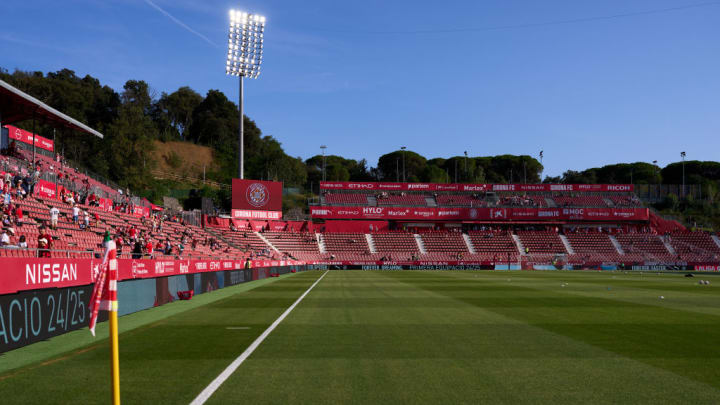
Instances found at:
x=22 y=243
x=4 y=238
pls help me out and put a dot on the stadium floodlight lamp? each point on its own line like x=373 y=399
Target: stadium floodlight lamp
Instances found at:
x=244 y=57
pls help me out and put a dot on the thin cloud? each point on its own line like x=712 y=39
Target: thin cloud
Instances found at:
x=180 y=23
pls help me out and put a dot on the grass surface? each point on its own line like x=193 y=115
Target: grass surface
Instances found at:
x=416 y=337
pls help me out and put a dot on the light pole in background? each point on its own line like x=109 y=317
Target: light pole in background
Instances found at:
x=323 y=147
x=542 y=168
x=466 y=174
x=402 y=148
x=682 y=155
x=244 y=57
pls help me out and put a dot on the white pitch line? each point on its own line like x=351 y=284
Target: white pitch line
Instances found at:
x=219 y=380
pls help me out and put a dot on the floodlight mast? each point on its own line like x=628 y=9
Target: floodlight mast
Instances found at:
x=245 y=54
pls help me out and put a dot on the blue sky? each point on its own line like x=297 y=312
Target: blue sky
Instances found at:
x=366 y=77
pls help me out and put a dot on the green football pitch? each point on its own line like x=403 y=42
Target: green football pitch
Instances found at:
x=394 y=337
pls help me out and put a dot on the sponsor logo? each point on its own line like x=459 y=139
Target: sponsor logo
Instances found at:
x=561 y=187
x=400 y=213
x=498 y=214
x=390 y=186
x=623 y=214
x=619 y=187
x=257 y=195
x=707 y=268
x=573 y=211
x=228 y=265
x=532 y=187
x=428 y=214
x=447 y=187
x=214 y=265
x=361 y=186
x=344 y=212
x=162 y=267
x=373 y=210
x=184 y=267
x=319 y=211
x=201 y=266
x=518 y=213
x=50 y=273
x=548 y=214
x=503 y=187
x=473 y=213
x=418 y=186
x=474 y=187
x=331 y=185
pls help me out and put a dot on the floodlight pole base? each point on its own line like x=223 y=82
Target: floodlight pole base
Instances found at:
x=241 y=135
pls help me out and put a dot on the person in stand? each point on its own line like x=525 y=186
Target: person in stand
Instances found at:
x=86 y=218
x=44 y=243
x=137 y=250
x=75 y=213
x=149 y=248
x=22 y=243
x=4 y=238
x=54 y=214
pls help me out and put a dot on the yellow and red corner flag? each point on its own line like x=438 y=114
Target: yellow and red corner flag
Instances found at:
x=104 y=297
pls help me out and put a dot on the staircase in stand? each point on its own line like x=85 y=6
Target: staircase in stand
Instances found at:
x=550 y=202
x=420 y=243
x=716 y=239
x=320 y=242
x=668 y=246
x=519 y=244
x=430 y=202
x=370 y=242
x=617 y=245
x=372 y=201
x=267 y=242
x=567 y=245
x=608 y=202
x=469 y=244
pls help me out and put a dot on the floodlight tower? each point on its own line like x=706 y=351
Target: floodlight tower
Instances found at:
x=244 y=57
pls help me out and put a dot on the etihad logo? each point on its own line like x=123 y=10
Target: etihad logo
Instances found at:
x=344 y=212
x=361 y=186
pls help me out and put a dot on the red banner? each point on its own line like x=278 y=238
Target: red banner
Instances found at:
x=19 y=274
x=27 y=137
x=256 y=195
x=256 y=214
x=359 y=186
x=45 y=189
x=105 y=204
x=482 y=214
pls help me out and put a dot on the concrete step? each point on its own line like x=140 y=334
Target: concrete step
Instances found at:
x=567 y=245
x=617 y=245
x=430 y=202
x=469 y=244
x=321 y=242
x=519 y=245
x=370 y=242
x=372 y=201
x=550 y=202
x=716 y=239
x=668 y=246
x=420 y=243
x=267 y=242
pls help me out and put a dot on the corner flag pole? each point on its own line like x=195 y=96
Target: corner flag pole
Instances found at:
x=115 y=355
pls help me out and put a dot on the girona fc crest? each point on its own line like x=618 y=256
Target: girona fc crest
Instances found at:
x=257 y=195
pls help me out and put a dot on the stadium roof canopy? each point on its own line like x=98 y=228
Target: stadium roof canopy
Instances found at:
x=16 y=106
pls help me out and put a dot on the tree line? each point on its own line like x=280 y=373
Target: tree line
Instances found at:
x=133 y=118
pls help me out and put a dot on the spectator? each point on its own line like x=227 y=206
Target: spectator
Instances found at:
x=87 y=219
x=4 y=238
x=137 y=250
x=22 y=243
x=75 y=213
x=149 y=248
x=44 y=243
x=54 y=213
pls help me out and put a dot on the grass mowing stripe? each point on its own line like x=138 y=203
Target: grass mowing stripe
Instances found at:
x=60 y=346
x=215 y=384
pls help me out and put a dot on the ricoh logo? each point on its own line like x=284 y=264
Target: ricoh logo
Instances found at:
x=373 y=210
x=619 y=187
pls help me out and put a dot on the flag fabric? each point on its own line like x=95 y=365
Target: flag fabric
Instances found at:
x=104 y=296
